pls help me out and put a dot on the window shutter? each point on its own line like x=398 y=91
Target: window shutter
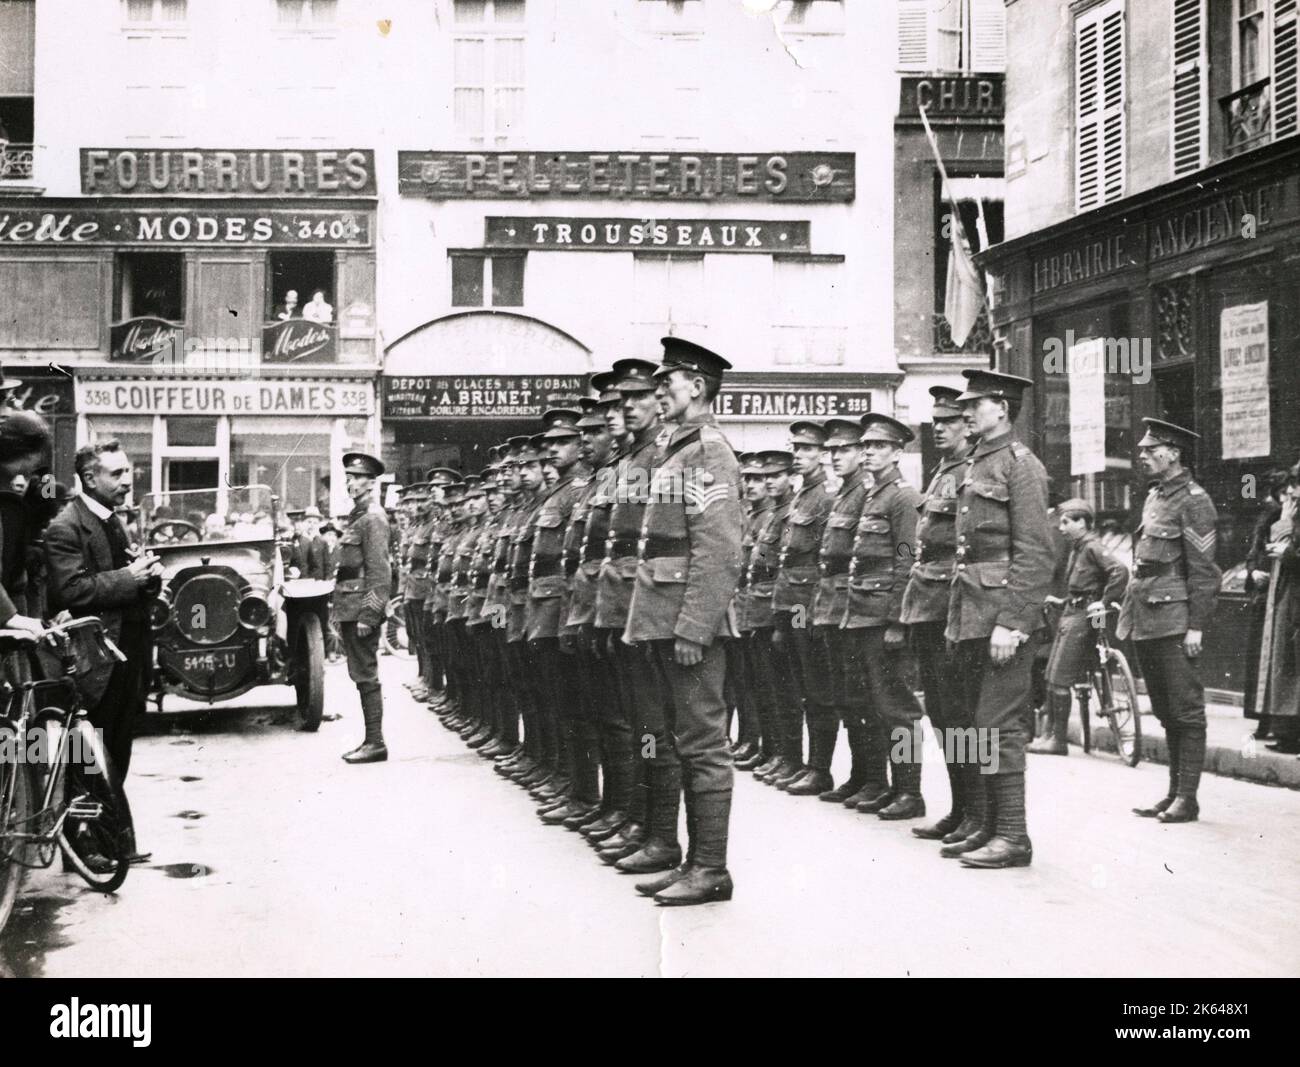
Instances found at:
x=1100 y=155
x=1284 y=68
x=916 y=34
x=988 y=36
x=1189 y=106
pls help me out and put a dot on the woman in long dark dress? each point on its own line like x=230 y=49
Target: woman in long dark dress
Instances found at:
x=1258 y=571
x=1278 y=687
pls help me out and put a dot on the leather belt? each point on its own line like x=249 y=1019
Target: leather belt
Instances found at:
x=347 y=573
x=799 y=559
x=964 y=556
x=620 y=547
x=543 y=568
x=834 y=568
x=1156 y=570
x=654 y=547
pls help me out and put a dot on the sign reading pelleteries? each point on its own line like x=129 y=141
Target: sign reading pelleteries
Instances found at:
x=222 y=172
x=788 y=177
x=217 y=226
x=620 y=235
x=508 y=396
x=258 y=397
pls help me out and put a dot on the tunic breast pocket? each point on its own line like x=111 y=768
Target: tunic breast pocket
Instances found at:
x=1159 y=543
x=875 y=537
x=993 y=514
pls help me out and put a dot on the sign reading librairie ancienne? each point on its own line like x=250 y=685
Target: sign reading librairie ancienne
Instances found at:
x=227 y=172
x=500 y=396
x=577 y=234
x=789 y=177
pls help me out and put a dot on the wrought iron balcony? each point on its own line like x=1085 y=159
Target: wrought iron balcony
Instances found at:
x=978 y=343
x=1248 y=115
x=15 y=162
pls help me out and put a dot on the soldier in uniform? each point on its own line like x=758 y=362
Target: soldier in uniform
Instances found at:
x=882 y=557
x=754 y=750
x=769 y=663
x=478 y=626
x=574 y=730
x=832 y=652
x=925 y=613
x=657 y=783
x=543 y=780
x=795 y=587
x=415 y=581
x=1094 y=580
x=1168 y=605
x=462 y=664
x=995 y=614
x=441 y=521
x=361 y=585
x=449 y=710
x=688 y=567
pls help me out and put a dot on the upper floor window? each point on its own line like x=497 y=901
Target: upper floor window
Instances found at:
x=488 y=70
x=307 y=14
x=1250 y=42
x=1100 y=136
x=952 y=35
x=480 y=279
x=1261 y=105
x=155 y=12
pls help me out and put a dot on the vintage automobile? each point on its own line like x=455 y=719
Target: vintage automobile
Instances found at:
x=226 y=618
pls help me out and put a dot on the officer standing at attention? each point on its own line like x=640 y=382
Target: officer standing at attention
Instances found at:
x=361 y=586
x=689 y=564
x=755 y=744
x=1168 y=604
x=796 y=585
x=925 y=613
x=882 y=553
x=1005 y=562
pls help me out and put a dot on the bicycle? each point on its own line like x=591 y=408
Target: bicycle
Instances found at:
x=393 y=633
x=1110 y=682
x=52 y=754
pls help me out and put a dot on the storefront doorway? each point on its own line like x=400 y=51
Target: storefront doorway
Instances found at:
x=182 y=474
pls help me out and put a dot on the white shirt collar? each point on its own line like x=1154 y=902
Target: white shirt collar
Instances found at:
x=96 y=508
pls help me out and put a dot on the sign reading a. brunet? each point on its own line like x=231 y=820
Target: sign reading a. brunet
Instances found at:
x=507 y=396
x=260 y=397
x=790 y=177
x=770 y=402
x=299 y=341
x=576 y=234
x=217 y=226
x=220 y=172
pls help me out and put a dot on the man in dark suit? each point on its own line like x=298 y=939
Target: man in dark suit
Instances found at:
x=94 y=571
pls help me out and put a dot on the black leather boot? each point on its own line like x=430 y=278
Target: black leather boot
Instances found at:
x=372 y=749
x=698 y=885
x=945 y=824
x=811 y=784
x=1172 y=744
x=981 y=816
x=1191 y=759
x=1010 y=845
x=1058 y=712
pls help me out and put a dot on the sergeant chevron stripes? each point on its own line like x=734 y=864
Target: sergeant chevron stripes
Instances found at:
x=699 y=498
x=1203 y=543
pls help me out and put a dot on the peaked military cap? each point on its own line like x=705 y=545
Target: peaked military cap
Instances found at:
x=748 y=464
x=592 y=417
x=687 y=355
x=946 y=404
x=775 y=461
x=474 y=486
x=842 y=432
x=559 y=423
x=454 y=489
x=877 y=427
x=807 y=433
x=530 y=450
x=415 y=491
x=360 y=463
x=442 y=475
x=982 y=383
x=634 y=376
x=606 y=386
x=1160 y=432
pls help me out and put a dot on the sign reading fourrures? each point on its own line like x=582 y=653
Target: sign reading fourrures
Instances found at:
x=227 y=172
x=789 y=177
x=619 y=235
x=500 y=396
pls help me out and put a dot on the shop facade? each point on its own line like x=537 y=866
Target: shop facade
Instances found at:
x=1177 y=303
x=213 y=310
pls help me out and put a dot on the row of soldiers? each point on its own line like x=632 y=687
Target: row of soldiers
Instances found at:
x=594 y=610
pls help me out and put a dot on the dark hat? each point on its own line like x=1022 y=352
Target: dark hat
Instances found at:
x=946 y=405
x=877 y=427
x=588 y=404
x=490 y=481
x=1075 y=503
x=982 y=383
x=442 y=475
x=775 y=461
x=456 y=489
x=592 y=415
x=474 y=486
x=634 y=376
x=360 y=463
x=529 y=451
x=605 y=385
x=328 y=525
x=748 y=464
x=494 y=453
x=417 y=491
x=560 y=423
x=295 y=513
x=1160 y=432
x=688 y=356
x=538 y=441
x=518 y=442
x=807 y=433
x=842 y=432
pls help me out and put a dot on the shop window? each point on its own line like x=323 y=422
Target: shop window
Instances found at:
x=808 y=305
x=475 y=276
x=302 y=286
x=980 y=212
x=150 y=284
x=488 y=70
x=291 y=455
x=192 y=431
x=1101 y=88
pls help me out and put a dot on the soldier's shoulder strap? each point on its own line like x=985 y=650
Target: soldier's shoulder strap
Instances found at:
x=1019 y=450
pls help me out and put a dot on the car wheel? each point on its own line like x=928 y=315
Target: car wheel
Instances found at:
x=309 y=672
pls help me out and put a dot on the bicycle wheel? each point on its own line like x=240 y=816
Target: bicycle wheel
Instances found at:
x=95 y=834
x=13 y=854
x=394 y=633
x=1121 y=708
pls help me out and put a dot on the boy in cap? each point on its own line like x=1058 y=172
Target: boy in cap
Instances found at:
x=1004 y=569
x=361 y=588
x=1094 y=580
x=688 y=567
x=925 y=613
x=1168 y=604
